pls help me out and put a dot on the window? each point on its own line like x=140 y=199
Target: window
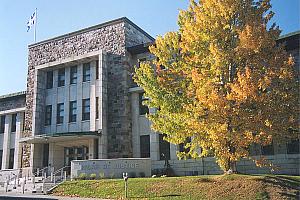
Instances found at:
x=85 y=109
x=61 y=78
x=1 y=152
x=2 y=124
x=97 y=107
x=73 y=75
x=97 y=69
x=86 y=72
x=182 y=147
x=49 y=80
x=11 y=159
x=48 y=115
x=141 y=60
x=73 y=111
x=143 y=108
x=145 y=146
x=267 y=150
x=13 y=123
x=60 y=113
x=164 y=148
x=293 y=147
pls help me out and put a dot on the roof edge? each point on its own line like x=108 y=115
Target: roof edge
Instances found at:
x=84 y=30
x=13 y=94
x=289 y=35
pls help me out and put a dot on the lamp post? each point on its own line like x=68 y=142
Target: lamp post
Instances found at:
x=125 y=177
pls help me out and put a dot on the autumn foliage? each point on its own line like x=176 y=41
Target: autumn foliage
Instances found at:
x=222 y=81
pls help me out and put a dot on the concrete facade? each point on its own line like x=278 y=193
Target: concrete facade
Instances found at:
x=82 y=104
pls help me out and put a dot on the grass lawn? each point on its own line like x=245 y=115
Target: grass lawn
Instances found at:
x=197 y=187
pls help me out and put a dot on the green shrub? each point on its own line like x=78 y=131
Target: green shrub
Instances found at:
x=101 y=175
x=93 y=176
x=82 y=176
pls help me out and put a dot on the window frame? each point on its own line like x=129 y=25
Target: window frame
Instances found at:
x=73 y=71
x=86 y=115
x=72 y=115
x=49 y=79
x=60 y=110
x=61 y=77
x=13 y=127
x=86 y=72
x=2 y=123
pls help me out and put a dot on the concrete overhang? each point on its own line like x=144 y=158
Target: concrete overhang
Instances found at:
x=60 y=137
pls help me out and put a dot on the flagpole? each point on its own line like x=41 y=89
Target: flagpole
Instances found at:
x=35 y=25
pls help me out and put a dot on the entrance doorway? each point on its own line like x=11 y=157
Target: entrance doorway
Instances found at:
x=75 y=153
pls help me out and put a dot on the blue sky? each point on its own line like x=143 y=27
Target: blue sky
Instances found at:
x=57 y=17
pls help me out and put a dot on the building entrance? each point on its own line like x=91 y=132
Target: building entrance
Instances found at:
x=75 y=153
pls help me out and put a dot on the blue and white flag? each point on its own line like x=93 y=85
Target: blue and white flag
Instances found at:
x=31 y=21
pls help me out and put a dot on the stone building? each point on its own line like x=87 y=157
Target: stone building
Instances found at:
x=81 y=103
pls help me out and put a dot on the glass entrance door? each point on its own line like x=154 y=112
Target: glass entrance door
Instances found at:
x=76 y=153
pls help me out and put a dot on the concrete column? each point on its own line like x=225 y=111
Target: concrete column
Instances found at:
x=93 y=96
x=173 y=149
x=154 y=141
x=91 y=149
x=51 y=154
x=102 y=146
x=135 y=125
x=6 y=142
x=18 y=146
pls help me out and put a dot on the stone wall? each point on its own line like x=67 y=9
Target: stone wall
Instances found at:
x=12 y=102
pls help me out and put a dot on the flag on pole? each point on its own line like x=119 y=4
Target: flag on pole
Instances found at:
x=31 y=21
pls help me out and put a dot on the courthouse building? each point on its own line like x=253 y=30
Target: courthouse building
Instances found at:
x=81 y=103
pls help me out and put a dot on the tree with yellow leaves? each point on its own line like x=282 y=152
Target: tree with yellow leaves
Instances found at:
x=222 y=81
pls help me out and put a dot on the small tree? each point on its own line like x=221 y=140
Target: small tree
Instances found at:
x=222 y=80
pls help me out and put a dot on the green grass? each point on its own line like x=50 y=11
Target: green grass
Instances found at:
x=199 y=187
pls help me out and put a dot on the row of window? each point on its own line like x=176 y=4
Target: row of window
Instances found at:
x=164 y=147
x=61 y=76
x=13 y=123
x=60 y=112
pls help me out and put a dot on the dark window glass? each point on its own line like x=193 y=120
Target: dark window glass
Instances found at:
x=73 y=111
x=145 y=146
x=60 y=113
x=97 y=107
x=86 y=72
x=11 y=159
x=164 y=148
x=45 y=155
x=143 y=108
x=85 y=109
x=61 y=78
x=267 y=150
x=97 y=69
x=73 y=75
x=13 y=123
x=49 y=78
x=293 y=147
x=1 y=152
x=96 y=148
x=48 y=115
x=2 y=124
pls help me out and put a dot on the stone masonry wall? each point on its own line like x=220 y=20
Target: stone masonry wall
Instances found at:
x=12 y=102
x=119 y=82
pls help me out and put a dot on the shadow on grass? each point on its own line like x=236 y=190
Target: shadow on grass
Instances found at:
x=158 y=196
x=286 y=183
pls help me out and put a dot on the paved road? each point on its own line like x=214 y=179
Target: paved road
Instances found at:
x=40 y=197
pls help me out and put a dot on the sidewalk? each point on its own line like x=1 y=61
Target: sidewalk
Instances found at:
x=13 y=196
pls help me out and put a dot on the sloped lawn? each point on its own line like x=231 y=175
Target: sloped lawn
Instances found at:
x=197 y=187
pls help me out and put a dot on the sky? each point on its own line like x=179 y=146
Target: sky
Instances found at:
x=57 y=17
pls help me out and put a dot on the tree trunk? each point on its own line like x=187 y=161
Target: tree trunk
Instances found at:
x=231 y=167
